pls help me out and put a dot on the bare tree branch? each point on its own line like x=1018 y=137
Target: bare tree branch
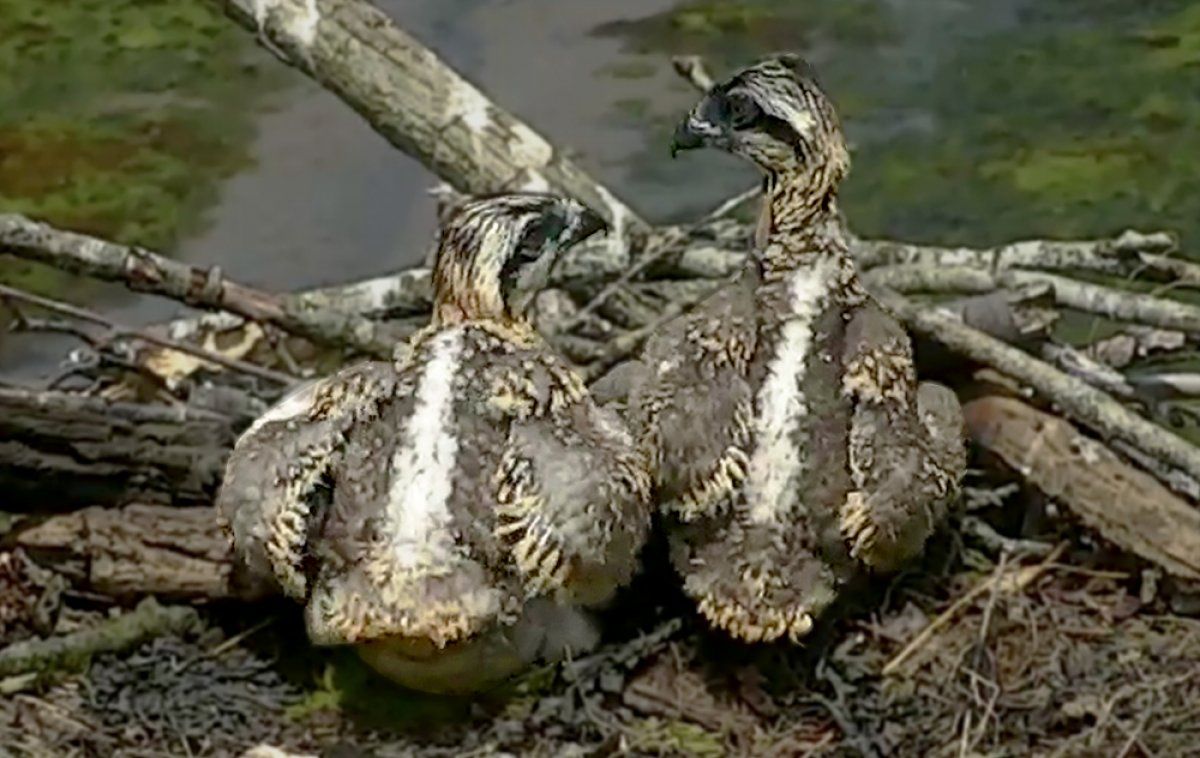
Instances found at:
x=1077 y=399
x=144 y=271
x=1110 y=302
x=1120 y=256
x=419 y=104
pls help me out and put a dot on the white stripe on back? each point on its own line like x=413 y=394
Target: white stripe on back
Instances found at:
x=781 y=403
x=423 y=466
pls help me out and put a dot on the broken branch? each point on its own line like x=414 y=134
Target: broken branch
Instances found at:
x=1078 y=400
x=1124 y=504
x=165 y=551
x=73 y=450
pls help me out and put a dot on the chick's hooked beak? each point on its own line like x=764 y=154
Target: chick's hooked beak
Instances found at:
x=589 y=223
x=685 y=138
x=701 y=127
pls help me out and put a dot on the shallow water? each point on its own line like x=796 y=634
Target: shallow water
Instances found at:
x=971 y=121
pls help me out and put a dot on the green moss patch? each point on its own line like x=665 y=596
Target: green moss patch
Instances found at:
x=120 y=118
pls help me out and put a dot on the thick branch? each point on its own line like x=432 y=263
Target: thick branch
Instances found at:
x=59 y=450
x=1124 y=504
x=1110 y=302
x=1120 y=256
x=140 y=550
x=418 y=103
x=1076 y=398
x=145 y=271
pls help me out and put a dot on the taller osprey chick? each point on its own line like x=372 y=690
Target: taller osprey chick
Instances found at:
x=791 y=442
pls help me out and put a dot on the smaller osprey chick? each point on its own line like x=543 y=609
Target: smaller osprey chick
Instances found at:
x=450 y=515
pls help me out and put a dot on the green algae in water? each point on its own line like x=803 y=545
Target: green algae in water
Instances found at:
x=1057 y=130
x=1081 y=119
x=120 y=118
x=720 y=29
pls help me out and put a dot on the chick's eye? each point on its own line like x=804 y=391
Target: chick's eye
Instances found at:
x=528 y=253
x=742 y=111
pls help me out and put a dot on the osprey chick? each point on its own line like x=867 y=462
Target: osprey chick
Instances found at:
x=450 y=515
x=791 y=442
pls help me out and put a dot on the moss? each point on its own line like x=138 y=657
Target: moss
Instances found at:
x=1055 y=130
x=666 y=737
x=1050 y=127
x=347 y=685
x=120 y=118
x=721 y=27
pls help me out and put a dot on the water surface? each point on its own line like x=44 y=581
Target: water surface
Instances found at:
x=970 y=121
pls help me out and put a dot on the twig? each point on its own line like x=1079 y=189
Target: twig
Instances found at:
x=1024 y=577
x=693 y=70
x=1168 y=385
x=90 y=316
x=984 y=532
x=622 y=347
x=144 y=271
x=218 y=650
x=733 y=204
x=1078 y=399
x=1081 y=365
x=147 y=621
x=648 y=257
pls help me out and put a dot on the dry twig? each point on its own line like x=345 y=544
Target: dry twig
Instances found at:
x=1017 y=579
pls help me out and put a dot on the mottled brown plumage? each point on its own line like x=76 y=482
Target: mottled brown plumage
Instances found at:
x=791 y=442
x=451 y=514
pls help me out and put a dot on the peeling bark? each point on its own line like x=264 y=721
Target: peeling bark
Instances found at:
x=59 y=451
x=1124 y=504
x=180 y=553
